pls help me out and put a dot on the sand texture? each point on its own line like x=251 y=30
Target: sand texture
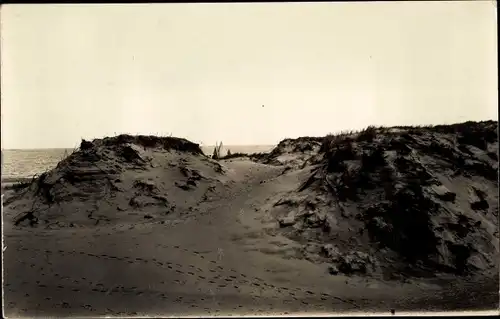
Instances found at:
x=399 y=218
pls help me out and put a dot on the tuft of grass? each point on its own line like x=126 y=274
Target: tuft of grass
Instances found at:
x=67 y=156
x=337 y=149
x=367 y=135
x=217 y=151
x=331 y=140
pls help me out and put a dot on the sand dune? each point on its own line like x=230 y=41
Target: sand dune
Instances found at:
x=403 y=219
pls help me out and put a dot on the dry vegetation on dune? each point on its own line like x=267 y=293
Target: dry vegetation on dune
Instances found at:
x=148 y=141
x=410 y=200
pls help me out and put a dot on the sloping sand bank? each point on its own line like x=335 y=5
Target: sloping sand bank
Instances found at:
x=151 y=226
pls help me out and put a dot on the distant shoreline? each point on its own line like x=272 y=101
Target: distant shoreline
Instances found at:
x=202 y=146
x=207 y=149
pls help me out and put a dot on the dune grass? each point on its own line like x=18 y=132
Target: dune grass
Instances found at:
x=217 y=151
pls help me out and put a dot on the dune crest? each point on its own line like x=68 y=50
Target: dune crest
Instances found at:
x=117 y=179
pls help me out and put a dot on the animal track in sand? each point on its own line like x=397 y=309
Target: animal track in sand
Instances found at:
x=236 y=278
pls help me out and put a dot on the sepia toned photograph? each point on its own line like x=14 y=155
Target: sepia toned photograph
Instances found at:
x=249 y=159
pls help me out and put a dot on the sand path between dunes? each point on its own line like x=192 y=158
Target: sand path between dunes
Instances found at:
x=216 y=259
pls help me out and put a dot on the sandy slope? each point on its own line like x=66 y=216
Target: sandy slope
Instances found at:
x=214 y=247
x=395 y=203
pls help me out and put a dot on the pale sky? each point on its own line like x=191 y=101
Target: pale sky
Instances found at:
x=203 y=71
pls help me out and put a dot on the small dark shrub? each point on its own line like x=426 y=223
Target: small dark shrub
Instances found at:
x=86 y=145
x=367 y=135
x=493 y=156
x=372 y=160
x=461 y=254
x=473 y=138
x=330 y=141
x=403 y=224
x=20 y=185
x=346 y=187
x=235 y=155
x=338 y=155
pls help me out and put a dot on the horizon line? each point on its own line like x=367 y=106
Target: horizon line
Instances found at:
x=65 y=148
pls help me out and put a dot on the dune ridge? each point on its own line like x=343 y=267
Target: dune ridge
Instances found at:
x=420 y=200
